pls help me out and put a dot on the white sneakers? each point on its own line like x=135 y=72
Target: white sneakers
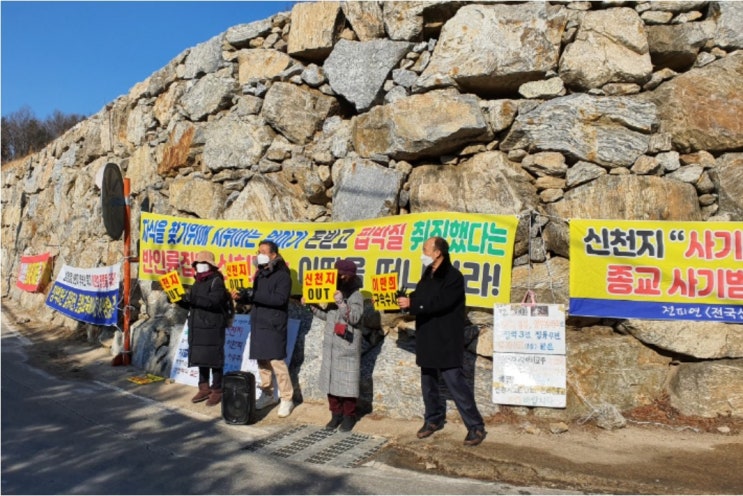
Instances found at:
x=265 y=401
x=285 y=408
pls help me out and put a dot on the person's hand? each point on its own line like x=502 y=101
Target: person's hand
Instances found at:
x=338 y=297
x=235 y=294
x=302 y=301
x=403 y=302
x=247 y=295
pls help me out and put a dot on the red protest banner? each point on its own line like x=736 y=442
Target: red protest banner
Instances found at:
x=34 y=272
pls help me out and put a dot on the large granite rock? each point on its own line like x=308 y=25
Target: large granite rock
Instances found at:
x=708 y=389
x=729 y=174
x=701 y=340
x=599 y=373
x=492 y=49
x=297 y=112
x=364 y=190
x=629 y=197
x=315 y=28
x=488 y=183
x=609 y=131
x=236 y=143
x=420 y=126
x=357 y=70
x=610 y=47
x=701 y=109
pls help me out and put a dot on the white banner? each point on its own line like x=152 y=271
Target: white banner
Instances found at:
x=88 y=295
x=529 y=328
x=529 y=365
x=236 y=351
x=529 y=380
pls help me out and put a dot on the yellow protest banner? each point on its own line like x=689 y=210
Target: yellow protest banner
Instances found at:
x=238 y=275
x=318 y=286
x=656 y=269
x=384 y=292
x=171 y=283
x=145 y=379
x=480 y=245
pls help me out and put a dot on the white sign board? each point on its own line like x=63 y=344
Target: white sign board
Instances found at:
x=529 y=380
x=529 y=365
x=529 y=328
x=236 y=352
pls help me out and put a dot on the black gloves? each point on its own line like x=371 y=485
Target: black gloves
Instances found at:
x=246 y=295
x=184 y=302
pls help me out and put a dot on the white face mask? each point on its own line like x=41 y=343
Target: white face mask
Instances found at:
x=426 y=260
x=262 y=259
x=202 y=267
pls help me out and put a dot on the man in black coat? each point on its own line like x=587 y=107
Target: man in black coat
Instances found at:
x=269 y=318
x=438 y=304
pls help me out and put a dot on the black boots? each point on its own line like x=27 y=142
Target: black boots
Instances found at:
x=343 y=423
x=335 y=421
x=348 y=422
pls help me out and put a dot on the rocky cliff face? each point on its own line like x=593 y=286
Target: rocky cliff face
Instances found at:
x=620 y=110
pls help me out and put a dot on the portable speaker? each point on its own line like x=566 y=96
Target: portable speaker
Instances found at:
x=238 y=397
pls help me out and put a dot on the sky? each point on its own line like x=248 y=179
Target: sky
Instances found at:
x=76 y=57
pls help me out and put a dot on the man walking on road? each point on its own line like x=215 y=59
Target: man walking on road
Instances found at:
x=438 y=304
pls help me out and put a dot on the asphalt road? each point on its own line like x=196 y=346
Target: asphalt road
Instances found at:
x=67 y=436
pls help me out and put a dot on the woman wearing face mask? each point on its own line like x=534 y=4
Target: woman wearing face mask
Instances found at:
x=341 y=355
x=206 y=302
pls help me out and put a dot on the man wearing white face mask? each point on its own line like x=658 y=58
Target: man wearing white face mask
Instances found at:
x=269 y=319
x=438 y=304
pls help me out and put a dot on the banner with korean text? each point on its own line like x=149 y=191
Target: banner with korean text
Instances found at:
x=481 y=246
x=657 y=270
x=236 y=352
x=34 y=272
x=88 y=295
x=529 y=362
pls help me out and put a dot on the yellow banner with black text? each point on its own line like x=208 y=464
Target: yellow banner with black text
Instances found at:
x=481 y=246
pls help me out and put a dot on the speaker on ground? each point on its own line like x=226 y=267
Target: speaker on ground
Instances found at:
x=238 y=397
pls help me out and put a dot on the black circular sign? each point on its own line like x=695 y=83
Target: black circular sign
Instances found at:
x=112 y=200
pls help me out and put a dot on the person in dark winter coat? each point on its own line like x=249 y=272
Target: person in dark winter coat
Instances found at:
x=438 y=304
x=341 y=350
x=206 y=302
x=269 y=318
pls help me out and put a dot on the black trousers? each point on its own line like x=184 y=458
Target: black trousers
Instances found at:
x=460 y=391
x=216 y=376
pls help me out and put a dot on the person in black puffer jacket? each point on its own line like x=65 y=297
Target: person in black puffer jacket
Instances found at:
x=207 y=320
x=269 y=319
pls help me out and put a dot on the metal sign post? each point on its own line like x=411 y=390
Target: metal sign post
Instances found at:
x=125 y=357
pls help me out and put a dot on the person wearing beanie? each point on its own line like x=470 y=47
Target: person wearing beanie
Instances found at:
x=207 y=301
x=340 y=369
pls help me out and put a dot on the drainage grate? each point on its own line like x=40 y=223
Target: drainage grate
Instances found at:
x=320 y=446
